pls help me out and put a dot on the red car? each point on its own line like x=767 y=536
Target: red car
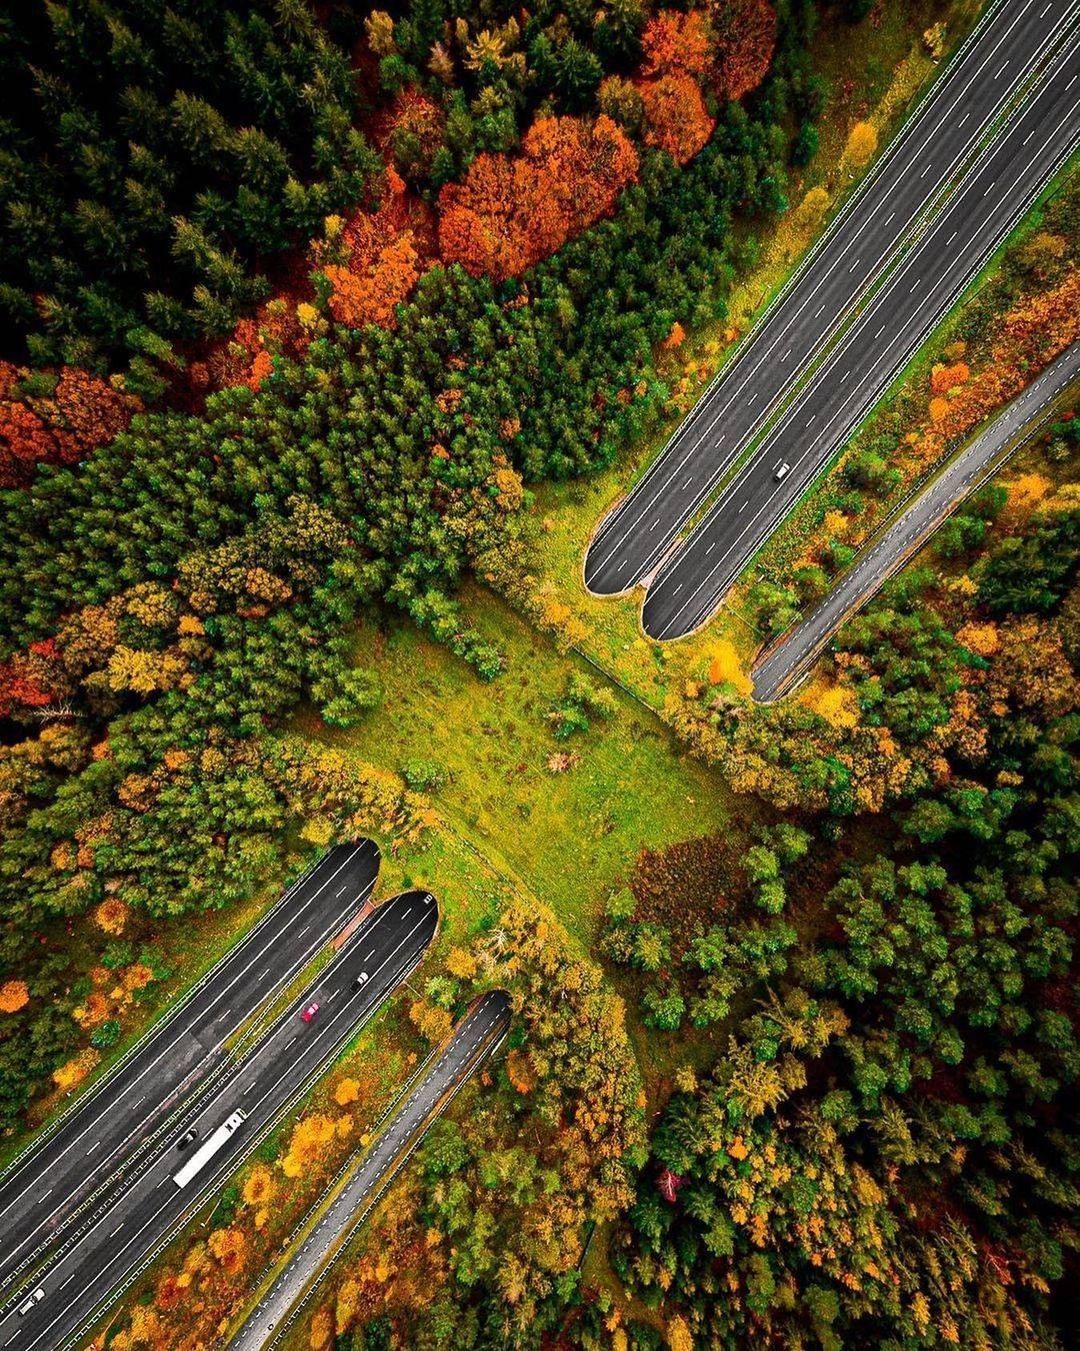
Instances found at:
x=310 y=1012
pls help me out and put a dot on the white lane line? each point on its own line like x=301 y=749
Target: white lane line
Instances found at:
x=878 y=304
x=615 y=524
x=195 y=1021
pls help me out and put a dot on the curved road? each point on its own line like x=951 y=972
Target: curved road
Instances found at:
x=67 y=1162
x=906 y=185
x=893 y=323
x=105 y=1251
x=784 y=663
x=474 y=1038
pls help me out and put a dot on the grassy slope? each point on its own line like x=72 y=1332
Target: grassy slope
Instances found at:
x=571 y=837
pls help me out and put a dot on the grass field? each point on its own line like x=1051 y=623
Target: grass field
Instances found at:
x=569 y=837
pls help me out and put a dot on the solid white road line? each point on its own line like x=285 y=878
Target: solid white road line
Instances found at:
x=731 y=373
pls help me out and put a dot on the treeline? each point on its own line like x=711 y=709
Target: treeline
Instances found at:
x=886 y=1152
x=174 y=596
x=161 y=158
x=156 y=155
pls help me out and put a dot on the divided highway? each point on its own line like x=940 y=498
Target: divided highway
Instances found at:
x=472 y=1041
x=108 y=1246
x=889 y=328
x=783 y=664
x=901 y=192
x=70 y=1160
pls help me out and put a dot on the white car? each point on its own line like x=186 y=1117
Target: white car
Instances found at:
x=782 y=471
x=362 y=979
x=35 y=1298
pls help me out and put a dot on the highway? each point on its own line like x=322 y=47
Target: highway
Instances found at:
x=103 y=1253
x=889 y=328
x=904 y=189
x=784 y=663
x=472 y=1041
x=74 y=1157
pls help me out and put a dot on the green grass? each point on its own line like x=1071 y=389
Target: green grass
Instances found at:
x=570 y=838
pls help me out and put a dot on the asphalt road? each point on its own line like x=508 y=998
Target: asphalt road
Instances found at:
x=904 y=187
x=925 y=284
x=105 y=1251
x=474 y=1038
x=67 y=1163
x=783 y=664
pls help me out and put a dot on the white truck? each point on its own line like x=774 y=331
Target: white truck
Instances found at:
x=210 y=1147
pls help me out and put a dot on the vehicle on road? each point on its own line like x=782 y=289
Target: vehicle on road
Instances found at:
x=310 y=1011
x=187 y=1138
x=35 y=1298
x=782 y=471
x=362 y=979
x=210 y=1147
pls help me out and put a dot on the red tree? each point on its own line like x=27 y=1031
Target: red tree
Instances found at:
x=745 y=32
x=675 y=43
x=25 y=679
x=668 y=1184
x=512 y=211
x=81 y=413
x=379 y=257
x=676 y=119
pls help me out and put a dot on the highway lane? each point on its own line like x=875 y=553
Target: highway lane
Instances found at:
x=904 y=187
x=913 y=298
x=103 y=1253
x=474 y=1038
x=69 y=1161
x=784 y=663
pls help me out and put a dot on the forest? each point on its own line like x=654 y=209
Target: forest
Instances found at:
x=305 y=305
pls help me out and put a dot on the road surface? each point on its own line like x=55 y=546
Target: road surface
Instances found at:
x=69 y=1161
x=925 y=284
x=904 y=187
x=782 y=665
x=474 y=1038
x=108 y=1247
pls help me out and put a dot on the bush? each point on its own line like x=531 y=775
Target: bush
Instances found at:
x=423 y=776
x=108 y=1034
x=358 y=692
x=662 y=1009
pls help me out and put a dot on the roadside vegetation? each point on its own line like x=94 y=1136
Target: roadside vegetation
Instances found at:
x=1018 y=316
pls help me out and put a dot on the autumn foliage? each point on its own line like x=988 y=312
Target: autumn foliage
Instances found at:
x=510 y=211
x=375 y=258
x=745 y=35
x=13 y=996
x=26 y=679
x=1028 y=339
x=676 y=43
x=63 y=426
x=676 y=119
x=247 y=357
